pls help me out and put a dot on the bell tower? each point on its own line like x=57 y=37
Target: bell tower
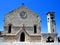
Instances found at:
x=51 y=22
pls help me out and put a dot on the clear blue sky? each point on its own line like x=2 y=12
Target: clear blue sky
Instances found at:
x=41 y=7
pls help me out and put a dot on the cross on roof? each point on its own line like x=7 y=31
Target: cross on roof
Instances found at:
x=23 y=4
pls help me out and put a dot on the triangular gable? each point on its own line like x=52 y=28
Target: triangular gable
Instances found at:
x=21 y=8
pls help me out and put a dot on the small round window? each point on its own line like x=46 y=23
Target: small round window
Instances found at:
x=23 y=14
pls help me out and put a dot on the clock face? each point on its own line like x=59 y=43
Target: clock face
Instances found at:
x=23 y=14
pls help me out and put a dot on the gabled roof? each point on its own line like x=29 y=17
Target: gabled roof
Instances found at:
x=21 y=7
x=9 y=34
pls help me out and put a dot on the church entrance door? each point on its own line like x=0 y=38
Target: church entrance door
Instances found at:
x=22 y=37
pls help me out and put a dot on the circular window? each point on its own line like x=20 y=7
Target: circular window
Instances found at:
x=23 y=14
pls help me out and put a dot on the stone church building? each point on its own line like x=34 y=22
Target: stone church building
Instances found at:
x=24 y=25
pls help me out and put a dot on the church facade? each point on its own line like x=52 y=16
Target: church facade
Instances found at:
x=24 y=25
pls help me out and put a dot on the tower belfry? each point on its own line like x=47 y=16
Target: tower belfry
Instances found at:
x=51 y=22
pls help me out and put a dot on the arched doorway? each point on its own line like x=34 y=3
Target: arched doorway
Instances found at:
x=50 y=39
x=22 y=37
x=58 y=39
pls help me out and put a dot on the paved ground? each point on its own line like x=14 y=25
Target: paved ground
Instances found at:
x=27 y=43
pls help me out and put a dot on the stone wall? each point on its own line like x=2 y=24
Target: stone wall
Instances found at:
x=9 y=39
x=46 y=35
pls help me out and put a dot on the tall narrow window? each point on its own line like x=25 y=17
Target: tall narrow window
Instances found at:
x=35 y=29
x=9 y=28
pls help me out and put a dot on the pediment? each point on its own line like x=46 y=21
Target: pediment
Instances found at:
x=20 y=9
x=16 y=17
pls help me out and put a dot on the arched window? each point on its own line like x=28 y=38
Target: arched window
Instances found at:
x=50 y=39
x=58 y=39
x=22 y=37
x=9 y=28
x=35 y=29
